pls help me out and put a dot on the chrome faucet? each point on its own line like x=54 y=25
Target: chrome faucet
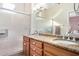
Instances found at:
x=70 y=33
x=36 y=32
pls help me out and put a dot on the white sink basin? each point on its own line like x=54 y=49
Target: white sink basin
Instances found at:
x=65 y=42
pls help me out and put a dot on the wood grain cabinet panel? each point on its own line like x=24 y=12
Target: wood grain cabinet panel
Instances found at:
x=26 y=45
x=33 y=53
x=26 y=39
x=36 y=49
x=53 y=50
x=48 y=53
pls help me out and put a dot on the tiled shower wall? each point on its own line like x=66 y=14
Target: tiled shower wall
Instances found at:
x=17 y=25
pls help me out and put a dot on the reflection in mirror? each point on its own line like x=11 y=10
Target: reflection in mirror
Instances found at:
x=53 y=18
x=74 y=24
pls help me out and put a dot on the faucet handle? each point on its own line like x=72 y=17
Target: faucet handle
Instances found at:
x=63 y=37
x=73 y=39
x=68 y=38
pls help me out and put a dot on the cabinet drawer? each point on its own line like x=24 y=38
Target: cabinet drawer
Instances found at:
x=36 y=49
x=36 y=43
x=34 y=53
x=56 y=50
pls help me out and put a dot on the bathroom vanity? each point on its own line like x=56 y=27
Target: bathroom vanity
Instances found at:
x=39 y=45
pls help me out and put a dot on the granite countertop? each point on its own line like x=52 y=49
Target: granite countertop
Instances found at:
x=52 y=40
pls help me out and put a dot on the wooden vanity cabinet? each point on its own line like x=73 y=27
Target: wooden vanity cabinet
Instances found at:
x=50 y=50
x=35 y=48
x=26 y=45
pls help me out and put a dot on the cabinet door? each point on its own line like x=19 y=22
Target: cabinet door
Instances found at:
x=36 y=49
x=26 y=44
x=48 y=53
x=34 y=53
x=53 y=50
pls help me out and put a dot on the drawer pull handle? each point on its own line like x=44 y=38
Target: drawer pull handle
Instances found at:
x=34 y=49
x=33 y=42
x=24 y=43
x=33 y=55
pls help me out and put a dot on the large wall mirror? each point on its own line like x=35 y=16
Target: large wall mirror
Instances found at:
x=53 y=18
